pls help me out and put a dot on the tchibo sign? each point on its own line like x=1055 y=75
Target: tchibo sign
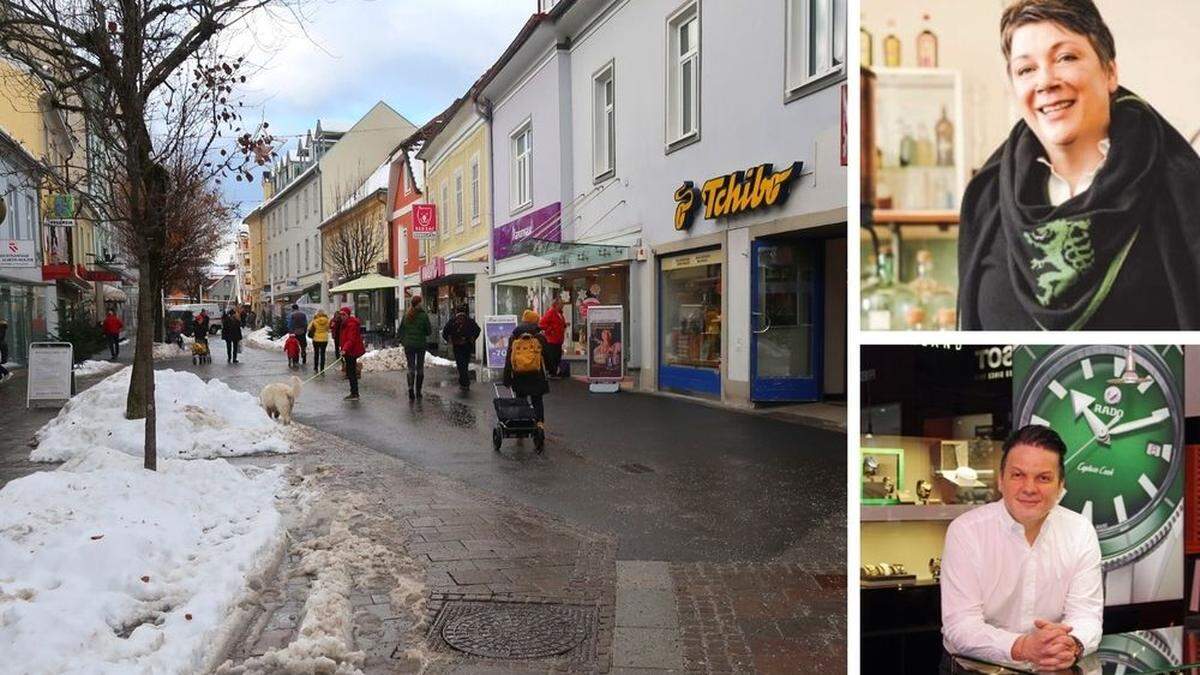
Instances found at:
x=17 y=253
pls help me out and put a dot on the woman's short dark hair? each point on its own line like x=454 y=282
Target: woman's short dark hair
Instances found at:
x=1039 y=437
x=1077 y=16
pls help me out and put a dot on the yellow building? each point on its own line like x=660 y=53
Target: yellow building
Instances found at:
x=354 y=242
x=457 y=181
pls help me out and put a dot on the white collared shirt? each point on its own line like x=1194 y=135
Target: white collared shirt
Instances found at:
x=994 y=584
x=1060 y=190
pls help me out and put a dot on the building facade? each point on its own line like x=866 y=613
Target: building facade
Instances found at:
x=698 y=183
x=355 y=242
x=457 y=179
x=406 y=187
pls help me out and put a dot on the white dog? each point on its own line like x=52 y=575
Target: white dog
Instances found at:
x=279 y=397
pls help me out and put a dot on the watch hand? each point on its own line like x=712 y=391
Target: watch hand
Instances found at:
x=1154 y=418
x=1107 y=429
x=1081 y=403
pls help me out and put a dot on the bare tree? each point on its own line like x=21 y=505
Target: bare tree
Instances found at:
x=148 y=87
x=359 y=241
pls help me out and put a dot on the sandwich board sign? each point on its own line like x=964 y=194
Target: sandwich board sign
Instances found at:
x=606 y=348
x=50 y=377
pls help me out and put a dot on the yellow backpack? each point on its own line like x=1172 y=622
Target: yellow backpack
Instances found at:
x=526 y=354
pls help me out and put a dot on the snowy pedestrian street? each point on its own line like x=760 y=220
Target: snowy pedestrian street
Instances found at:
x=653 y=533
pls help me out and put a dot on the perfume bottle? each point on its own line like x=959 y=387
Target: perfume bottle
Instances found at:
x=927 y=46
x=937 y=302
x=908 y=148
x=891 y=47
x=925 y=152
x=944 y=130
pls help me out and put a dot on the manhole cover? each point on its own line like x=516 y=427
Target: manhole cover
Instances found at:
x=518 y=632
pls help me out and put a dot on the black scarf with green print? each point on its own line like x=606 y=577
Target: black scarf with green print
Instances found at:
x=1063 y=261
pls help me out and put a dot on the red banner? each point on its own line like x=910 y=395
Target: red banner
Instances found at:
x=434 y=269
x=424 y=221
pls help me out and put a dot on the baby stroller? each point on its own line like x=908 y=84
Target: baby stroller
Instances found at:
x=200 y=353
x=515 y=419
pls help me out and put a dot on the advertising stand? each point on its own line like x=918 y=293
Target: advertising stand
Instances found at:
x=606 y=348
x=496 y=331
x=51 y=381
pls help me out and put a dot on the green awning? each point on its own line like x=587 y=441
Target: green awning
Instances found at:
x=367 y=282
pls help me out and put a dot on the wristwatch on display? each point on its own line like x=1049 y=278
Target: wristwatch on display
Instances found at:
x=1122 y=423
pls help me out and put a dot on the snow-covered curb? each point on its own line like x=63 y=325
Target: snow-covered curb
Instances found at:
x=196 y=419
x=90 y=367
x=392 y=358
x=259 y=340
x=107 y=567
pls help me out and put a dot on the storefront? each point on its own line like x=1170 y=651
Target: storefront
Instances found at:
x=445 y=286
x=933 y=423
x=23 y=306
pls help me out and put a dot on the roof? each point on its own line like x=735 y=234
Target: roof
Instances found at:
x=376 y=183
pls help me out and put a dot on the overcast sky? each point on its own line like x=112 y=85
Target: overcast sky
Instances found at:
x=345 y=55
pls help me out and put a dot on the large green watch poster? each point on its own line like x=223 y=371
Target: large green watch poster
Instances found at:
x=1119 y=409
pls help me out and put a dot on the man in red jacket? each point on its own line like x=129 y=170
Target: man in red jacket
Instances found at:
x=554 y=328
x=112 y=333
x=350 y=337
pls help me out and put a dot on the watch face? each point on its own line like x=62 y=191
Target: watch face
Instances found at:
x=1124 y=441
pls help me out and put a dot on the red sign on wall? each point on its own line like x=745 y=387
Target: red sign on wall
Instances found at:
x=424 y=221
x=434 y=269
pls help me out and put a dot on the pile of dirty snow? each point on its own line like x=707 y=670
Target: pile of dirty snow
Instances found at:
x=171 y=350
x=106 y=567
x=392 y=358
x=196 y=420
x=90 y=367
x=260 y=339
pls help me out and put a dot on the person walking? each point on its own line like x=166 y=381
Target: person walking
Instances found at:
x=298 y=325
x=414 y=336
x=352 y=348
x=525 y=368
x=461 y=331
x=554 y=328
x=335 y=331
x=112 y=333
x=318 y=330
x=4 y=374
x=231 y=333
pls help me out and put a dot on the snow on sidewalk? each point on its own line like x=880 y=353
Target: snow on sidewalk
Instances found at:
x=90 y=367
x=109 y=568
x=196 y=419
x=260 y=339
x=171 y=350
x=392 y=358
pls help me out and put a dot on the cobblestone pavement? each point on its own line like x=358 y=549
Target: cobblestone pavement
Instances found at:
x=434 y=542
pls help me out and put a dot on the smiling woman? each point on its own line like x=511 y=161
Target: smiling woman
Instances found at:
x=1078 y=220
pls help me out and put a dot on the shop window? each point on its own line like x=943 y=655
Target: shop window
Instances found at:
x=691 y=311
x=522 y=149
x=816 y=41
x=604 y=124
x=458 y=201
x=683 y=76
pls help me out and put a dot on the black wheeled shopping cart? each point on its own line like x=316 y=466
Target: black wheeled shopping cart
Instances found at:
x=515 y=418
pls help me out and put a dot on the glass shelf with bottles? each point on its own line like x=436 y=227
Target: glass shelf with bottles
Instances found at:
x=919 y=138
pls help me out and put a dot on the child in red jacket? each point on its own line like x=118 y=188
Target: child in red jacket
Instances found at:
x=291 y=347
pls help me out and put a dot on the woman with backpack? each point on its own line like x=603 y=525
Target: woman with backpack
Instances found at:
x=461 y=332
x=415 y=330
x=524 y=369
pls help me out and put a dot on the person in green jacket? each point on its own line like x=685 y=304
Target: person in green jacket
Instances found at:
x=415 y=330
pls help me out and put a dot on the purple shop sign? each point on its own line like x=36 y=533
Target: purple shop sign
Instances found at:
x=544 y=224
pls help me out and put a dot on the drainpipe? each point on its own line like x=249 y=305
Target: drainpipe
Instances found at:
x=483 y=108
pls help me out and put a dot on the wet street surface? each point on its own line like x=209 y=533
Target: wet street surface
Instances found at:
x=652 y=534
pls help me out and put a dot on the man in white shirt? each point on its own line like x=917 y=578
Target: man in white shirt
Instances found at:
x=1021 y=577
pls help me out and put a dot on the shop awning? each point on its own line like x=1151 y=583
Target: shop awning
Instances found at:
x=540 y=257
x=114 y=294
x=367 y=282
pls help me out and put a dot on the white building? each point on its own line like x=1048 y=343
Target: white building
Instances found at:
x=686 y=161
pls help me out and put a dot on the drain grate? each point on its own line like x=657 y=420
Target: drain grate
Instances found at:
x=636 y=468
x=517 y=630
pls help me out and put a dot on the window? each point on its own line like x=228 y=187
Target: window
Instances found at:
x=306 y=201
x=297 y=258
x=297 y=221
x=816 y=41
x=404 y=174
x=445 y=229
x=317 y=249
x=287 y=263
x=683 y=78
x=458 y=201
x=522 y=148
x=31 y=222
x=306 y=263
x=475 y=190
x=604 y=124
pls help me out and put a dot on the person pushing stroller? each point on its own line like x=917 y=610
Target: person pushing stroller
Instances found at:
x=525 y=368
